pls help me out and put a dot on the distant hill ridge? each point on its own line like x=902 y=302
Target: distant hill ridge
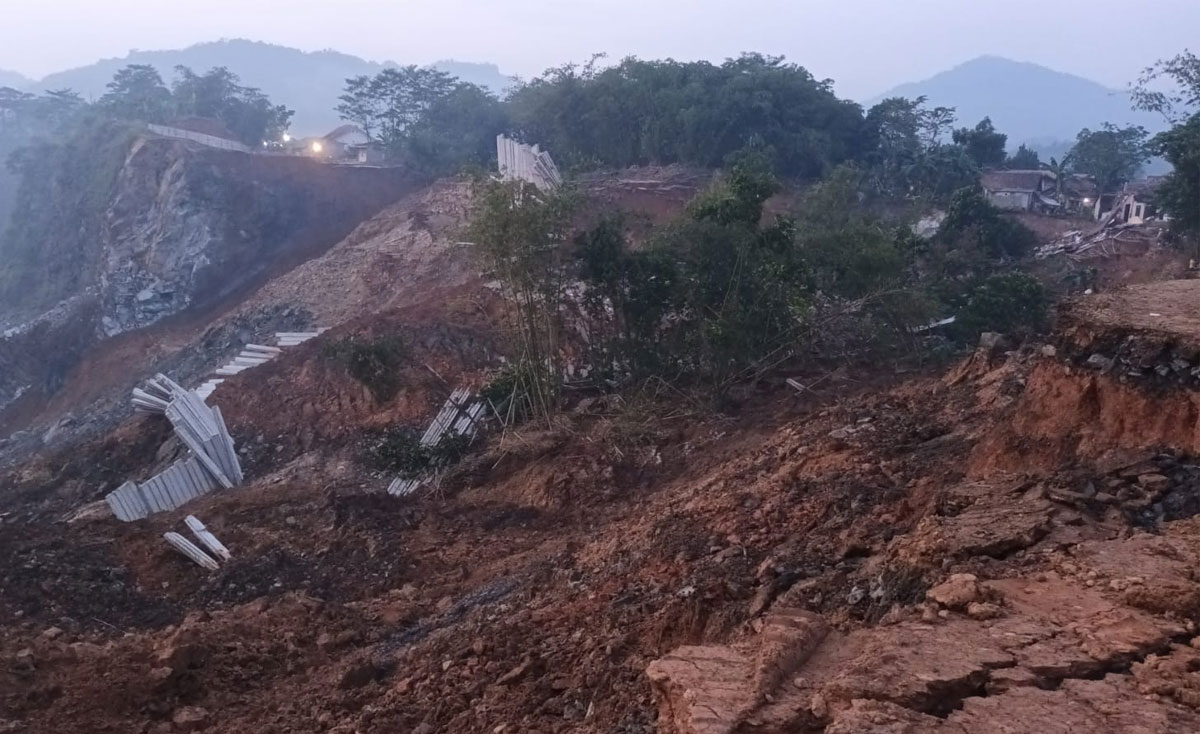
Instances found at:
x=308 y=82
x=13 y=79
x=1030 y=103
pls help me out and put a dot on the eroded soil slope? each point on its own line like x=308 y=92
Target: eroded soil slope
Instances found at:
x=871 y=555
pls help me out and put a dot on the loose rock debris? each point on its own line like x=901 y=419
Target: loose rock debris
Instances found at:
x=839 y=578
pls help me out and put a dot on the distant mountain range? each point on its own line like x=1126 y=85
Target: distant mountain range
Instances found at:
x=307 y=82
x=13 y=79
x=1040 y=107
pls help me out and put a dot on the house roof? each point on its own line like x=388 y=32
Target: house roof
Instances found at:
x=1024 y=181
x=1145 y=187
x=345 y=131
x=1080 y=186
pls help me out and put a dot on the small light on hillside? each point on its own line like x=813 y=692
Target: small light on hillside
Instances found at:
x=317 y=147
x=287 y=138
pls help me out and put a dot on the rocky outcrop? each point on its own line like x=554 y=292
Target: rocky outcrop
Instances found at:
x=173 y=229
x=189 y=227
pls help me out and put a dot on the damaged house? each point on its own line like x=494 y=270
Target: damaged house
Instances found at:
x=1030 y=191
x=1135 y=203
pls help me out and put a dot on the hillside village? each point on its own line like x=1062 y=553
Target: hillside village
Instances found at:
x=565 y=411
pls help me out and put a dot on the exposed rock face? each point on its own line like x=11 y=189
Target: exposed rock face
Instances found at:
x=183 y=228
x=1052 y=653
x=190 y=226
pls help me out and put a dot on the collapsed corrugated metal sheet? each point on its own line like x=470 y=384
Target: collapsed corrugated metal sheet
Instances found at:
x=212 y=462
x=459 y=416
x=520 y=162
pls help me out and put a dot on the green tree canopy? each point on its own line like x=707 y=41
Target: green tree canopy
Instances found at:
x=389 y=104
x=1111 y=155
x=217 y=94
x=983 y=143
x=1180 y=146
x=1180 y=193
x=640 y=112
x=1025 y=159
x=458 y=129
x=1180 y=98
x=905 y=152
x=137 y=92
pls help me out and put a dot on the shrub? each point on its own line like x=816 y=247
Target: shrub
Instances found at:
x=1011 y=303
x=519 y=233
x=398 y=450
x=972 y=218
x=375 y=363
x=509 y=394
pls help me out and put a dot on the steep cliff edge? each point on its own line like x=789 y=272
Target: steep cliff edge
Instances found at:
x=177 y=225
x=157 y=228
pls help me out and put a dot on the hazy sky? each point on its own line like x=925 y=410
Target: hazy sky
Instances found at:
x=867 y=46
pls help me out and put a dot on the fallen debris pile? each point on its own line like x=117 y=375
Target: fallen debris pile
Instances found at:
x=213 y=461
x=1109 y=240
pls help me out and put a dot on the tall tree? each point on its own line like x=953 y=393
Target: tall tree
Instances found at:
x=216 y=94
x=457 y=130
x=1177 y=101
x=360 y=106
x=137 y=92
x=906 y=153
x=983 y=143
x=14 y=105
x=387 y=105
x=1180 y=193
x=57 y=107
x=1111 y=155
x=1180 y=104
x=1025 y=159
x=639 y=112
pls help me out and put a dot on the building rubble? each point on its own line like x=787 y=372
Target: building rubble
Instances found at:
x=1106 y=241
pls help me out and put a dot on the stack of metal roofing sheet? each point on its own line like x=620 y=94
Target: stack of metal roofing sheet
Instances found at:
x=182 y=482
x=153 y=397
x=458 y=416
x=212 y=463
x=401 y=487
